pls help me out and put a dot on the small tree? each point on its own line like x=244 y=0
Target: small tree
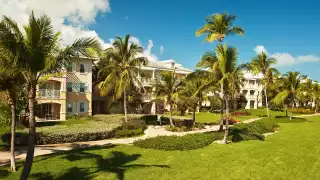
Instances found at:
x=168 y=89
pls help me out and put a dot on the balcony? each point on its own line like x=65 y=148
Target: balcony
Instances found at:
x=49 y=93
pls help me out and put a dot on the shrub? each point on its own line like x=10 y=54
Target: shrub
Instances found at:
x=252 y=131
x=302 y=111
x=128 y=132
x=241 y=113
x=90 y=130
x=231 y=121
x=187 y=142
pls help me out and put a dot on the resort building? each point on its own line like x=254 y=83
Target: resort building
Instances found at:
x=66 y=93
x=253 y=90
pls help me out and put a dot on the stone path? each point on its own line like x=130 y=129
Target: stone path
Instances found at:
x=151 y=131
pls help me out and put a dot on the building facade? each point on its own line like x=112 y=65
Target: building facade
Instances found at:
x=253 y=90
x=66 y=93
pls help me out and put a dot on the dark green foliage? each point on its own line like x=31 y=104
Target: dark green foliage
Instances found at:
x=128 y=132
x=253 y=131
x=187 y=142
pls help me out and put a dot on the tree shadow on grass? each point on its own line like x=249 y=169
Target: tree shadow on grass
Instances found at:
x=117 y=163
x=284 y=119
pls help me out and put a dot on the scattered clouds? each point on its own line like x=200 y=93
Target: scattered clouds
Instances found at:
x=258 y=49
x=161 y=50
x=147 y=52
x=135 y=40
x=286 y=59
x=69 y=17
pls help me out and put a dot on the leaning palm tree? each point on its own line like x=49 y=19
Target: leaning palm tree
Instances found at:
x=217 y=26
x=262 y=64
x=168 y=89
x=38 y=52
x=291 y=83
x=11 y=80
x=122 y=68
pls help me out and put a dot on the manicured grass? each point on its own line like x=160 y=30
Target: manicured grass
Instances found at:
x=3 y=146
x=291 y=153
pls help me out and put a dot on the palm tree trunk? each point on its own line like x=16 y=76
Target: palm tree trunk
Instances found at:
x=32 y=133
x=194 y=114
x=316 y=107
x=222 y=106
x=170 y=110
x=12 y=103
x=125 y=106
x=291 y=114
x=226 y=131
x=267 y=104
x=286 y=107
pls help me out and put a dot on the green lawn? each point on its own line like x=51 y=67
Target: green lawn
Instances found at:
x=292 y=153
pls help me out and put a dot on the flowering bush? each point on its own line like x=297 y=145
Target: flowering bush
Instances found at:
x=303 y=111
x=241 y=113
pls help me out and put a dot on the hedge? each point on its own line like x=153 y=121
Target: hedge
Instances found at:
x=187 y=142
x=133 y=128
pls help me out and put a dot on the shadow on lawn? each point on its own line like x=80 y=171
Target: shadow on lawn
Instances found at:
x=117 y=162
x=284 y=119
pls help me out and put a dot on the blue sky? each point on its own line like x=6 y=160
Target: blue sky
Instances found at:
x=283 y=27
x=287 y=30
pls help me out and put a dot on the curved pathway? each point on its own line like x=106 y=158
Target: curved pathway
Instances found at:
x=151 y=131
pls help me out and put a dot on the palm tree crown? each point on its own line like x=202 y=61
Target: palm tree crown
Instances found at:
x=217 y=26
x=122 y=67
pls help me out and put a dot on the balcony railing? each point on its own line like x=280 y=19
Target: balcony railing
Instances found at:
x=49 y=93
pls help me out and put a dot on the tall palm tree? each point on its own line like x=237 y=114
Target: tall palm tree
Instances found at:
x=222 y=63
x=11 y=80
x=38 y=53
x=291 y=83
x=122 y=68
x=168 y=90
x=262 y=64
x=217 y=26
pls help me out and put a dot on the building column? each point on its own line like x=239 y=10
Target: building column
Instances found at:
x=153 y=74
x=153 y=108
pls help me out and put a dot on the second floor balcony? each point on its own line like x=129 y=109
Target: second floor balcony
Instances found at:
x=49 y=93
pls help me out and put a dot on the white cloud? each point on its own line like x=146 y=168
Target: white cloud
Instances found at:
x=147 y=52
x=69 y=17
x=258 y=49
x=286 y=59
x=161 y=49
x=135 y=40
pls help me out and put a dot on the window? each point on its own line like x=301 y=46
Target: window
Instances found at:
x=69 y=87
x=69 y=107
x=81 y=107
x=82 y=69
x=82 y=87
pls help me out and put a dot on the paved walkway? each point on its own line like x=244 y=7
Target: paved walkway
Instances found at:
x=151 y=131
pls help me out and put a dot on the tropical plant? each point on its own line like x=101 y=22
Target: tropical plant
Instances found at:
x=291 y=83
x=235 y=82
x=11 y=81
x=167 y=90
x=217 y=26
x=124 y=64
x=262 y=64
x=195 y=88
x=38 y=52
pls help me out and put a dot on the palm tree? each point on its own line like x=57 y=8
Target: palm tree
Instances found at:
x=217 y=26
x=122 y=68
x=11 y=80
x=222 y=63
x=195 y=88
x=291 y=83
x=235 y=82
x=38 y=52
x=262 y=64
x=168 y=89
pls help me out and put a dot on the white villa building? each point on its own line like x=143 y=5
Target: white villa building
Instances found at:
x=252 y=90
